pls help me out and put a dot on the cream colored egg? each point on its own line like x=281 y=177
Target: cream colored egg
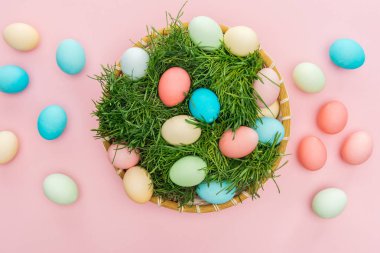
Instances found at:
x=8 y=146
x=20 y=36
x=138 y=185
x=272 y=111
x=180 y=130
x=241 y=40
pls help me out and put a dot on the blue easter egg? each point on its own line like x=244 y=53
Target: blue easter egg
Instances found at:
x=52 y=122
x=13 y=79
x=215 y=192
x=347 y=54
x=267 y=130
x=204 y=105
x=70 y=56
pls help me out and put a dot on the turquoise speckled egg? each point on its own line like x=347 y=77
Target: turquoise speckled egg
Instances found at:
x=329 y=202
x=70 y=56
x=205 y=33
x=134 y=62
x=347 y=54
x=52 y=122
x=60 y=189
x=204 y=105
x=13 y=79
x=268 y=128
x=188 y=171
x=215 y=192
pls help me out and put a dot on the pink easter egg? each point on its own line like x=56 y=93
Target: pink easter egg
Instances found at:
x=123 y=157
x=332 y=117
x=357 y=148
x=267 y=86
x=239 y=143
x=173 y=86
x=312 y=153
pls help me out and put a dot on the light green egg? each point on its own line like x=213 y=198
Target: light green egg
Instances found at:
x=309 y=77
x=188 y=171
x=60 y=189
x=205 y=33
x=329 y=203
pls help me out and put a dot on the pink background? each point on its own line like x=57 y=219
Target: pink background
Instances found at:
x=104 y=219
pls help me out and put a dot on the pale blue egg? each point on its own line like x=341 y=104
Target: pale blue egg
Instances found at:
x=347 y=54
x=52 y=122
x=216 y=192
x=134 y=62
x=204 y=105
x=70 y=57
x=268 y=128
x=13 y=79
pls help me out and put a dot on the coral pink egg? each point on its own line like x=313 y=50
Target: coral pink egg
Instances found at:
x=123 y=157
x=357 y=148
x=312 y=153
x=332 y=117
x=173 y=86
x=239 y=143
x=267 y=86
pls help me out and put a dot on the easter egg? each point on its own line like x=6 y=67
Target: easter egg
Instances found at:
x=347 y=54
x=332 y=117
x=357 y=148
x=272 y=111
x=188 y=171
x=267 y=87
x=13 y=79
x=138 y=184
x=215 y=192
x=205 y=33
x=329 y=203
x=60 y=189
x=8 y=146
x=70 y=56
x=309 y=77
x=238 y=144
x=268 y=129
x=21 y=36
x=173 y=86
x=52 y=122
x=312 y=153
x=123 y=157
x=204 y=105
x=180 y=130
x=241 y=40
x=134 y=62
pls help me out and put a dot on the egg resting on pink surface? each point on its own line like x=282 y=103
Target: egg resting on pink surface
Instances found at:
x=332 y=117
x=357 y=148
x=312 y=153
x=123 y=157
x=267 y=86
x=238 y=144
x=173 y=86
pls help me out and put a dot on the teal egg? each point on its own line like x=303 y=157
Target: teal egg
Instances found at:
x=70 y=56
x=347 y=54
x=204 y=105
x=268 y=128
x=13 y=79
x=52 y=122
x=188 y=171
x=205 y=33
x=215 y=192
x=60 y=189
x=329 y=203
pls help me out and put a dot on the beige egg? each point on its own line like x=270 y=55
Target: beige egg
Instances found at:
x=20 y=36
x=180 y=130
x=138 y=185
x=8 y=146
x=241 y=40
x=272 y=111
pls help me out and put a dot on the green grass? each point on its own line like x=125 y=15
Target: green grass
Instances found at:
x=131 y=112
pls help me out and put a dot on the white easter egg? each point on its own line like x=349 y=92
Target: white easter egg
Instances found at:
x=272 y=111
x=8 y=146
x=134 y=62
x=180 y=130
x=241 y=40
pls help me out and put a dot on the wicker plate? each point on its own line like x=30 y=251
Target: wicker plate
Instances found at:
x=284 y=117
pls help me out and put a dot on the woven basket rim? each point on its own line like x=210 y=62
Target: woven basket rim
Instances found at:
x=285 y=117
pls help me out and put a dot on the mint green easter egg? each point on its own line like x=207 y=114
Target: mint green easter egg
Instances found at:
x=309 y=77
x=188 y=171
x=60 y=189
x=329 y=203
x=205 y=33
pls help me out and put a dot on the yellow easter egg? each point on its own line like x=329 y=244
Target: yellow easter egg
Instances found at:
x=272 y=111
x=180 y=130
x=21 y=36
x=8 y=146
x=138 y=185
x=241 y=40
